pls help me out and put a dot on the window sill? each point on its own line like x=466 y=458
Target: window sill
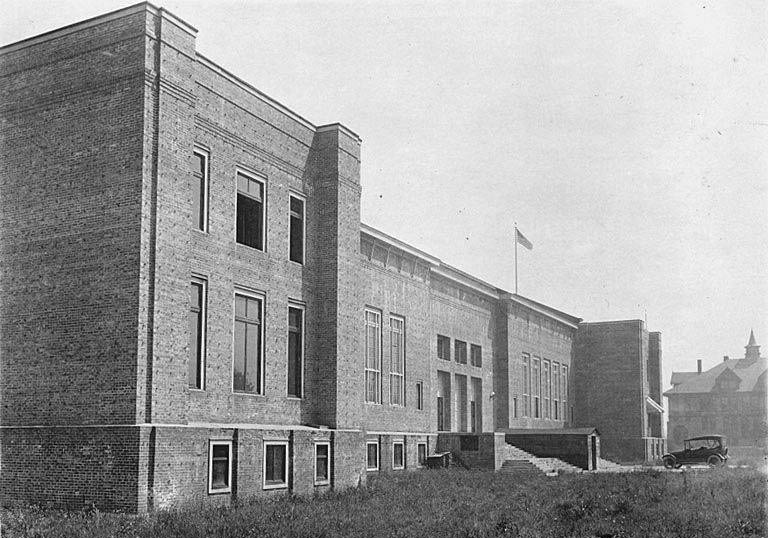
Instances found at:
x=300 y=264
x=372 y=470
x=248 y=394
x=249 y=247
x=202 y=232
x=294 y=398
x=323 y=483
x=282 y=485
x=219 y=491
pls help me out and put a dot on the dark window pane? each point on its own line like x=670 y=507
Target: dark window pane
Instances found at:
x=275 y=464
x=422 y=450
x=252 y=358
x=294 y=352
x=194 y=349
x=194 y=370
x=398 y=455
x=249 y=221
x=297 y=240
x=239 y=366
x=373 y=456
x=220 y=467
x=321 y=463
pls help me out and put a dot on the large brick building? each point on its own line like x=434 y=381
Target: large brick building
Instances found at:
x=191 y=308
x=728 y=399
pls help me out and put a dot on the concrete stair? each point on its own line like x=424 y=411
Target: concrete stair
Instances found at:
x=609 y=466
x=518 y=460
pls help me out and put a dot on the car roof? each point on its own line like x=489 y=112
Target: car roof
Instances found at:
x=706 y=437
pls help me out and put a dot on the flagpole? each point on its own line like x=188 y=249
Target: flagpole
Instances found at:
x=515 y=258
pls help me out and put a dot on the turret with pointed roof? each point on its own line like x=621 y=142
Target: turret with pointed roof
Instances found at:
x=752 y=349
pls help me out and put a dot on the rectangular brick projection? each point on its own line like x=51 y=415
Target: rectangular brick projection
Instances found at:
x=618 y=371
x=107 y=219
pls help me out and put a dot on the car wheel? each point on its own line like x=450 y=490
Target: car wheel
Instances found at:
x=714 y=461
x=669 y=462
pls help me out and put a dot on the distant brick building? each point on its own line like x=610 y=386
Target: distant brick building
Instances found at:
x=618 y=388
x=191 y=308
x=728 y=399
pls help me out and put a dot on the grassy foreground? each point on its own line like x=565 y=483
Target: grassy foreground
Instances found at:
x=717 y=503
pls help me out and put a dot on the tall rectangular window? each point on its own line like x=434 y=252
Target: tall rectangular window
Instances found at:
x=460 y=350
x=275 y=464
x=372 y=356
x=443 y=347
x=248 y=367
x=536 y=386
x=295 y=350
x=419 y=395
x=398 y=455
x=556 y=390
x=476 y=355
x=397 y=361
x=421 y=453
x=196 y=334
x=546 y=380
x=250 y=211
x=200 y=189
x=220 y=466
x=564 y=392
x=372 y=453
x=322 y=463
x=526 y=384
x=297 y=229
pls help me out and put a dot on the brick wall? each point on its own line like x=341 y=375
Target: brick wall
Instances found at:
x=71 y=467
x=531 y=333
x=70 y=201
x=611 y=384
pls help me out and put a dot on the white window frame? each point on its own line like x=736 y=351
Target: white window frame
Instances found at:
x=327 y=464
x=263 y=180
x=253 y=294
x=402 y=446
x=378 y=456
x=206 y=154
x=283 y=485
x=373 y=371
x=303 y=200
x=198 y=279
x=420 y=444
x=401 y=360
x=303 y=308
x=211 y=444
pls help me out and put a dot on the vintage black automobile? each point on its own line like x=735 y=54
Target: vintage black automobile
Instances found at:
x=709 y=449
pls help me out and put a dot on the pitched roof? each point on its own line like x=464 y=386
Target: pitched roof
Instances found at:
x=682 y=377
x=749 y=371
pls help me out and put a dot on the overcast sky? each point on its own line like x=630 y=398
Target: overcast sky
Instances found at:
x=628 y=140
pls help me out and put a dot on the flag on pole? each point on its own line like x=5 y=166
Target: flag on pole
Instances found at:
x=520 y=238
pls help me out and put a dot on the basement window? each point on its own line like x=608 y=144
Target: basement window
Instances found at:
x=322 y=464
x=220 y=467
x=372 y=450
x=275 y=464
x=421 y=450
x=398 y=455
